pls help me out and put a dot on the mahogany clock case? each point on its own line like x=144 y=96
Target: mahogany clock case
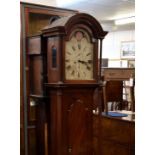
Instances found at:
x=58 y=36
x=70 y=133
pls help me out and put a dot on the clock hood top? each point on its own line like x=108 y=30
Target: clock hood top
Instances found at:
x=63 y=25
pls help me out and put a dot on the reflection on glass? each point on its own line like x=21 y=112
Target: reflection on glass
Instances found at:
x=32 y=110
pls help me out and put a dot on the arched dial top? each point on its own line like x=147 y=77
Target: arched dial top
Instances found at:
x=79 y=56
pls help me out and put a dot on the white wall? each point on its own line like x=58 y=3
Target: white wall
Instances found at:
x=43 y=2
x=112 y=43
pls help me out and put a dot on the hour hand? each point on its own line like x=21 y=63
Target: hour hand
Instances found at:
x=82 y=61
x=85 y=62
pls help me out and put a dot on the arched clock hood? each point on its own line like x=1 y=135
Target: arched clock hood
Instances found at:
x=64 y=24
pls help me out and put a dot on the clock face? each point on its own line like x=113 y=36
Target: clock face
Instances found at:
x=79 y=56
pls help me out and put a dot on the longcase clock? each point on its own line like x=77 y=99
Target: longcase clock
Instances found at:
x=72 y=77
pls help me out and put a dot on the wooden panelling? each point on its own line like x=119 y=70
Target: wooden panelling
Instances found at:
x=42 y=127
x=116 y=135
x=110 y=148
x=36 y=70
x=22 y=148
x=32 y=140
x=79 y=104
x=34 y=45
x=116 y=131
x=33 y=19
x=114 y=91
x=37 y=22
x=71 y=120
x=96 y=135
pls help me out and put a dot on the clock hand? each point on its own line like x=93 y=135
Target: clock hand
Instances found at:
x=89 y=61
x=73 y=48
x=88 y=67
x=82 y=61
x=79 y=46
x=68 y=67
x=86 y=63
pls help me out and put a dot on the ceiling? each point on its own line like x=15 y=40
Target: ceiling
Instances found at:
x=105 y=11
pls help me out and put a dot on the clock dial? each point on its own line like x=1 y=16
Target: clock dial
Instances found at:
x=79 y=57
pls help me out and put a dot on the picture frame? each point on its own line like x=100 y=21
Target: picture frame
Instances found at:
x=127 y=49
x=131 y=63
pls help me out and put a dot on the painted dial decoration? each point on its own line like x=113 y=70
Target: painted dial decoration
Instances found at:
x=79 y=56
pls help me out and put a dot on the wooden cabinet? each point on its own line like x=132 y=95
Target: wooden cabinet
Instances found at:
x=36 y=58
x=117 y=136
x=114 y=135
x=114 y=74
x=32 y=75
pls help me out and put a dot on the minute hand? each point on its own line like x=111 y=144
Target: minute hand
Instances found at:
x=89 y=61
x=83 y=62
x=86 y=63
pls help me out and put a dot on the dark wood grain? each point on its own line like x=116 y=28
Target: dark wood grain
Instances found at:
x=36 y=70
x=53 y=73
x=118 y=73
x=71 y=119
x=114 y=135
x=113 y=87
x=33 y=19
x=71 y=101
